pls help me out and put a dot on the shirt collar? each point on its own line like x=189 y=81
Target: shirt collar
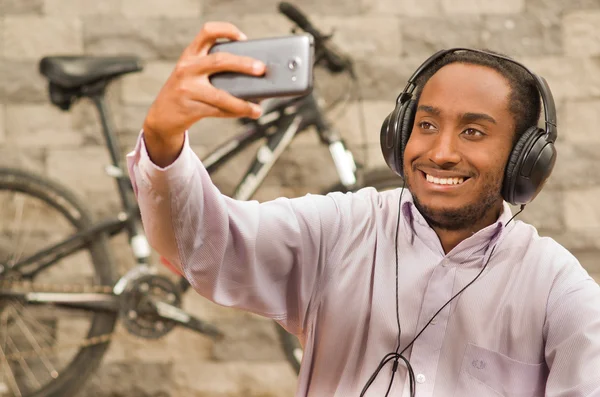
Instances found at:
x=469 y=251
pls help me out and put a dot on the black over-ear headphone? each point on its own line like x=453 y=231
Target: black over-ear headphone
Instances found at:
x=531 y=160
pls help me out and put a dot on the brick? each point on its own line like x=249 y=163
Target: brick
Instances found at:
x=348 y=122
x=568 y=77
x=19 y=7
x=364 y=37
x=222 y=9
x=375 y=158
x=142 y=88
x=81 y=169
x=575 y=239
x=60 y=8
x=306 y=166
x=248 y=338
x=271 y=192
x=385 y=78
x=542 y=213
x=581 y=208
x=579 y=117
x=30 y=37
x=552 y=11
x=420 y=39
x=576 y=166
x=525 y=34
x=148 y=38
x=20 y=82
x=32 y=159
x=482 y=6
x=130 y=378
x=85 y=120
x=161 y=8
x=130 y=118
x=236 y=379
x=331 y=7
x=211 y=132
x=589 y=259
x=408 y=8
x=2 y=125
x=40 y=126
x=581 y=33
x=166 y=350
x=261 y=25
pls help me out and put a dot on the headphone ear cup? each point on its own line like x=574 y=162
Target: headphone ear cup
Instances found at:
x=389 y=139
x=406 y=126
x=529 y=166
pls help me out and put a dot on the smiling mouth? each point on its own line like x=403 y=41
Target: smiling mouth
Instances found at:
x=445 y=181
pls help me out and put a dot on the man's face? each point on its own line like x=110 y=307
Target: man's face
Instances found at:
x=461 y=139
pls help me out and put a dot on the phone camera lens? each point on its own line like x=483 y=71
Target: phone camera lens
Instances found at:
x=293 y=63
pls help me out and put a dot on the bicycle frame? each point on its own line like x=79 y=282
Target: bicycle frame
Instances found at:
x=282 y=120
x=287 y=118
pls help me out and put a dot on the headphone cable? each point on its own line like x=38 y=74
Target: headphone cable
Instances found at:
x=399 y=356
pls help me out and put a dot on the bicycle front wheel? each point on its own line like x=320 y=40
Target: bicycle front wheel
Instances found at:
x=381 y=179
x=45 y=350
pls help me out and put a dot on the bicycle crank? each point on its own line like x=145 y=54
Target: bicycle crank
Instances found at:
x=151 y=308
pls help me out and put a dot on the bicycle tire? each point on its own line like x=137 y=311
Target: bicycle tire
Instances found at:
x=380 y=179
x=87 y=359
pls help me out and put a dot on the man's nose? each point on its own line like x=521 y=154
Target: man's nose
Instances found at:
x=444 y=151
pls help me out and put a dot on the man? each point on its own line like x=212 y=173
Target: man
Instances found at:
x=351 y=274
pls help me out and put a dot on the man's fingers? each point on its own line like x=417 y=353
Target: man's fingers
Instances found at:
x=228 y=103
x=208 y=110
x=211 y=32
x=212 y=111
x=201 y=92
x=226 y=62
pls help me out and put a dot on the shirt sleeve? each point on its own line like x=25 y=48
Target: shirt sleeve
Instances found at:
x=268 y=258
x=572 y=334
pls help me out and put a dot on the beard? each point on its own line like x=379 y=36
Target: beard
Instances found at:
x=453 y=219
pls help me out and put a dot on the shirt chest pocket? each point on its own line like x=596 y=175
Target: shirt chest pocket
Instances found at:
x=488 y=373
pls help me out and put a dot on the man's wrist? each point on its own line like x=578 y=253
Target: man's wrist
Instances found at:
x=163 y=149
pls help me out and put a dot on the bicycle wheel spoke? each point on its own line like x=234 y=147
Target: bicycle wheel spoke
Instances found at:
x=16 y=222
x=12 y=380
x=45 y=330
x=47 y=340
x=36 y=346
x=23 y=363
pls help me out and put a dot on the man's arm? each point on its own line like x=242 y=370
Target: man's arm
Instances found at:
x=268 y=258
x=572 y=333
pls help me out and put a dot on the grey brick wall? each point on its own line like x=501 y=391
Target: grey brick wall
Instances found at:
x=388 y=38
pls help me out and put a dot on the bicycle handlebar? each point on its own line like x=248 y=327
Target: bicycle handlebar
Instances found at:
x=334 y=61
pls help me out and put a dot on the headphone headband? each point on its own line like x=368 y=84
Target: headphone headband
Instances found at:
x=542 y=85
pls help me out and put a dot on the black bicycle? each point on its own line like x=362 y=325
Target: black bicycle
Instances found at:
x=61 y=296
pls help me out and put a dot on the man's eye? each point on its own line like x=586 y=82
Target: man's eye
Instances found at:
x=426 y=126
x=473 y=132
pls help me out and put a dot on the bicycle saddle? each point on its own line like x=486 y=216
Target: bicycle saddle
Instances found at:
x=70 y=71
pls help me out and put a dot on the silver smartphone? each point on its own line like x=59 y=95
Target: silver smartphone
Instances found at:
x=289 y=67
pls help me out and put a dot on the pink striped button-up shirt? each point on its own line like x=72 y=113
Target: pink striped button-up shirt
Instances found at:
x=325 y=268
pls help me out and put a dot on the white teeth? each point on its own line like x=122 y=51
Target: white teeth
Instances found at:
x=444 y=181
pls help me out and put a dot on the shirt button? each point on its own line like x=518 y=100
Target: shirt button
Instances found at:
x=421 y=378
x=434 y=321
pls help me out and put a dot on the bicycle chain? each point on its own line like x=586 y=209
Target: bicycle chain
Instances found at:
x=27 y=286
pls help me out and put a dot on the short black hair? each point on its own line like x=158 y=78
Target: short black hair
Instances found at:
x=524 y=102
